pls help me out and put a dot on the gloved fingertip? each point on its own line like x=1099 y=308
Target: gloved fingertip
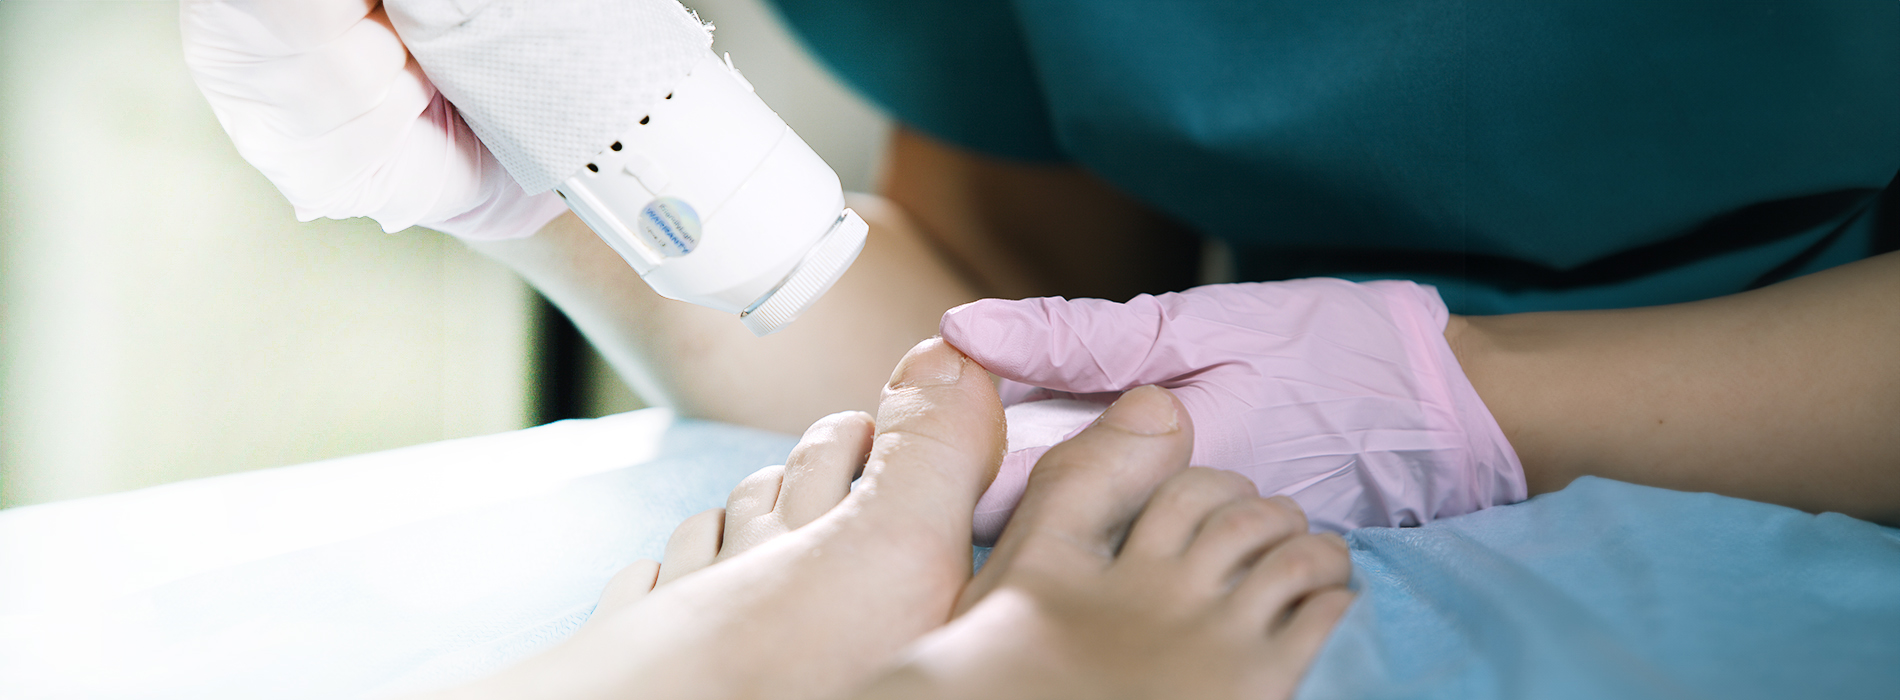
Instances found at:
x=962 y=323
x=997 y=332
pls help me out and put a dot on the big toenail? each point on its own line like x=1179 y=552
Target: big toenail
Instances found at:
x=1286 y=501
x=1147 y=410
x=918 y=369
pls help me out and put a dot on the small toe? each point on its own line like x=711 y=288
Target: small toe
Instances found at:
x=628 y=586
x=754 y=497
x=1178 y=508
x=1299 y=567
x=819 y=471
x=1315 y=617
x=1288 y=650
x=1234 y=535
x=693 y=546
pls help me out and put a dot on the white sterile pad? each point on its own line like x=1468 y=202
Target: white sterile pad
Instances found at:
x=1045 y=423
x=546 y=84
x=362 y=576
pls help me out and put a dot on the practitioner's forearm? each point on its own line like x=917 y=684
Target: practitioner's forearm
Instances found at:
x=1009 y=229
x=705 y=364
x=1788 y=394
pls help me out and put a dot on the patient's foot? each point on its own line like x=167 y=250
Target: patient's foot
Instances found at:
x=771 y=502
x=1210 y=591
x=812 y=611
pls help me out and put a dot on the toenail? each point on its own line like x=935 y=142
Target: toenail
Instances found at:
x=1147 y=410
x=915 y=370
x=1286 y=501
x=1336 y=540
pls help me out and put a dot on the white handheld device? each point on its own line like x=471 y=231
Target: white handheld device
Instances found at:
x=714 y=201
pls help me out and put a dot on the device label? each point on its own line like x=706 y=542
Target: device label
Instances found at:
x=670 y=226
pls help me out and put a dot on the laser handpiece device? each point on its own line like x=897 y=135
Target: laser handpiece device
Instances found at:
x=715 y=201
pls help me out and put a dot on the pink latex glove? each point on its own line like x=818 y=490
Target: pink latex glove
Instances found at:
x=323 y=98
x=1344 y=396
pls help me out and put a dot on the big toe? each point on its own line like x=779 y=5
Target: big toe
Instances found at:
x=939 y=437
x=819 y=471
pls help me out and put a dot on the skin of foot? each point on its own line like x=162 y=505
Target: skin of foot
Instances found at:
x=1125 y=574
x=834 y=582
x=771 y=502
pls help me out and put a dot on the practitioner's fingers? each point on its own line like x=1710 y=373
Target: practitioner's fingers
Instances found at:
x=819 y=471
x=267 y=28
x=281 y=72
x=939 y=436
x=1085 y=492
x=1081 y=345
x=1292 y=571
x=1178 y=508
x=693 y=546
x=1233 y=536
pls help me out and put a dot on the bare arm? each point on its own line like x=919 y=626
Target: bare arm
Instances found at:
x=956 y=225
x=703 y=363
x=1788 y=394
x=1020 y=230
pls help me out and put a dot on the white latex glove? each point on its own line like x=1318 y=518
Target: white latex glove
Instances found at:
x=323 y=98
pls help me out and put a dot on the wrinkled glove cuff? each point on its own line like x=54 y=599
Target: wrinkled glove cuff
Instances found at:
x=1489 y=472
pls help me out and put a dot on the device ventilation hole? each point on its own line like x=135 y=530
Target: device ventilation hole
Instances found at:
x=646 y=119
x=592 y=167
x=616 y=146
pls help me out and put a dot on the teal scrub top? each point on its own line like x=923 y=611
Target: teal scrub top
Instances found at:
x=1521 y=155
